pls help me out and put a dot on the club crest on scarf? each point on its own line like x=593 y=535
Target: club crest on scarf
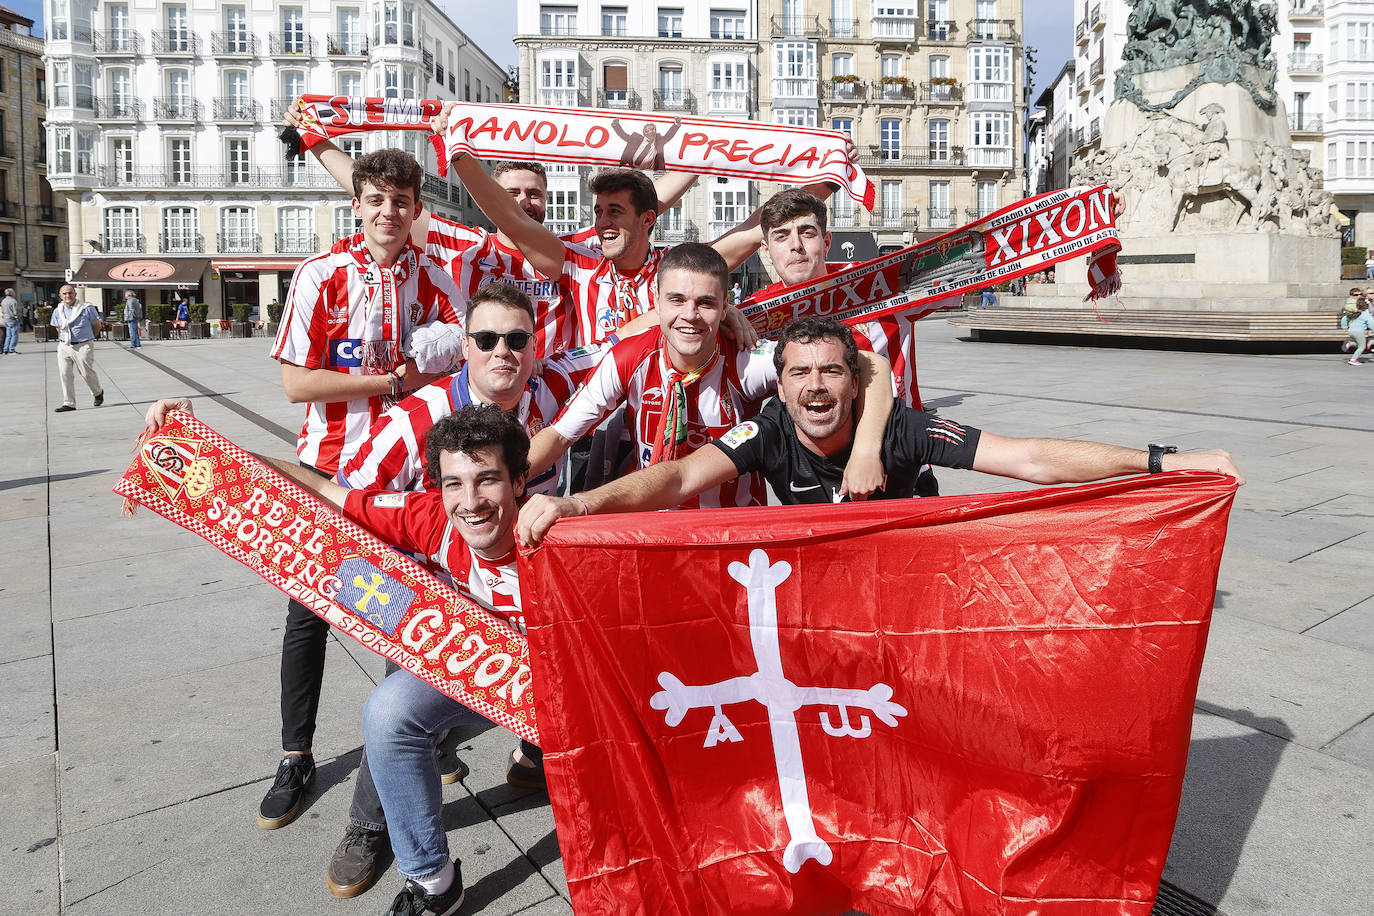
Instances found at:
x=176 y=463
x=783 y=699
x=373 y=595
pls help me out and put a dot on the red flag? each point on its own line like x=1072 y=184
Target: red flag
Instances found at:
x=957 y=705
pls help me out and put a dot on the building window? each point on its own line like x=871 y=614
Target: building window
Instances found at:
x=179 y=101
x=295 y=229
x=121 y=230
x=941 y=215
x=351 y=31
x=346 y=224
x=613 y=20
x=558 y=20
x=729 y=91
x=891 y=199
x=293 y=30
x=841 y=210
x=890 y=137
x=236 y=155
x=670 y=88
x=122 y=159
x=178 y=31
x=563 y=211
x=85 y=151
x=987 y=197
x=467 y=86
x=842 y=21
x=729 y=208
x=615 y=83
x=728 y=25
x=393 y=22
x=238 y=230
x=843 y=124
x=795 y=117
x=6 y=252
x=558 y=82
x=350 y=83
x=794 y=69
x=939 y=141
x=62 y=150
x=669 y=22
x=236 y=39
x=50 y=248
x=179 y=230
x=352 y=146
x=179 y=160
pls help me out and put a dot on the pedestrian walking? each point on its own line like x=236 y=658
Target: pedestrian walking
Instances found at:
x=78 y=322
x=12 y=313
x=1360 y=327
x=133 y=317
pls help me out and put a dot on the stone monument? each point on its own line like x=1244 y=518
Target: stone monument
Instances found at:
x=1222 y=214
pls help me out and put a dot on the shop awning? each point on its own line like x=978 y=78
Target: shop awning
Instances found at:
x=1341 y=218
x=259 y=263
x=139 y=272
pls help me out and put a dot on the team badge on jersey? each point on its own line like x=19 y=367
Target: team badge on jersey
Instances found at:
x=389 y=501
x=740 y=434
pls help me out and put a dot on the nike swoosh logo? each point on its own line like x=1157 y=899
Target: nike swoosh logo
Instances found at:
x=797 y=489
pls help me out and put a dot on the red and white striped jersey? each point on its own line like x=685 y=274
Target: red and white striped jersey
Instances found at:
x=474 y=256
x=416 y=523
x=730 y=391
x=393 y=457
x=324 y=325
x=604 y=299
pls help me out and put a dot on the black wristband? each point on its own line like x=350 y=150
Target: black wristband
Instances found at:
x=1157 y=452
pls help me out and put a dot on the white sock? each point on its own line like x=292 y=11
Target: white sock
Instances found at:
x=438 y=882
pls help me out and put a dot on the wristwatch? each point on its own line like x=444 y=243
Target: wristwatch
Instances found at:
x=1157 y=452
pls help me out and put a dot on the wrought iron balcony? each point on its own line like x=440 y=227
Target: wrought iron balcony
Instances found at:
x=239 y=243
x=894 y=92
x=297 y=242
x=844 y=92
x=992 y=30
x=120 y=242
x=844 y=28
x=180 y=243
x=229 y=108
x=234 y=42
x=921 y=157
x=218 y=177
x=118 y=41
x=119 y=109
x=940 y=217
x=1095 y=17
x=1305 y=63
x=941 y=30
x=619 y=98
x=1081 y=83
x=1305 y=123
x=687 y=232
x=796 y=27
x=558 y=28
x=176 y=108
x=169 y=42
x=290 y=44
x=1080 y=33
x=895 y=218
x=1098 y=71
x=675 y=100
x=347 y=44
x=941 y=92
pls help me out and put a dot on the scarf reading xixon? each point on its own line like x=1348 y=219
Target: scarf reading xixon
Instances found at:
x=1023 y=238
x=597 y=136
x=192 y=476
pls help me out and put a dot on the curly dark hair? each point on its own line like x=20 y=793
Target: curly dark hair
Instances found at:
x=479 y=426
x=387 y=167
x=817 y=327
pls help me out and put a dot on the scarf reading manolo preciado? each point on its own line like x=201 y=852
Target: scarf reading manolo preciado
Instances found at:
x=192 y=476
x=596 y=136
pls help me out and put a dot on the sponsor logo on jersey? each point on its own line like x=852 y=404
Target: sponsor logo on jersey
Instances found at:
x=740 y=434
x=346 y=353
x=389 y=501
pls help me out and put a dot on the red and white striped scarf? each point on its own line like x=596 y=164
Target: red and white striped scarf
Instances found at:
x=382 y=333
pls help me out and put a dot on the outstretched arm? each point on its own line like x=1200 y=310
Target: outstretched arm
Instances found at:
x=323 y=487
x=546 y=447
x=542 y=248
x=1070 y=461
x=662 y=486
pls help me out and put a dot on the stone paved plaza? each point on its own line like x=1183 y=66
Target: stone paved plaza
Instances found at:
x=138 y=666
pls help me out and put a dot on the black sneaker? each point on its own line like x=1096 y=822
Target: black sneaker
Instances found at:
x=413 y=901
x=64 y=408
x=524 y=773
x=100 y=399
x=354 y=865
x=282 y=802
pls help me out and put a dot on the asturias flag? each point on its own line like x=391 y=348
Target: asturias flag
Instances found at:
x=960 y=705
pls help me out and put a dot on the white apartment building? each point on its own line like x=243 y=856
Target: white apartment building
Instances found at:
x=1099 y=37
x=162 y=124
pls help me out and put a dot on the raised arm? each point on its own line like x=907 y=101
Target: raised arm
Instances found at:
x=662 y=486
x=541 y=248
x=670 y=187
x=1071 y=461
x=864 y=473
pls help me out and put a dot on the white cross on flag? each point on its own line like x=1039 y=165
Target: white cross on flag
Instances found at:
x=963 y=705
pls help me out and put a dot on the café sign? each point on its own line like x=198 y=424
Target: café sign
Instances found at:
x=146 y=271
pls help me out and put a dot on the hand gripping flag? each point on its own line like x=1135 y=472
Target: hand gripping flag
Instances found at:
x=192 y=476
x=960 y=705
x=1023 y=238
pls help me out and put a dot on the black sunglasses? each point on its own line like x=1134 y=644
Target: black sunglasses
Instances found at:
x=516 y=340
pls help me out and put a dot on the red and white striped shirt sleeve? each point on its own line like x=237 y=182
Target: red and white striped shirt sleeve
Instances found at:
x=607 y=387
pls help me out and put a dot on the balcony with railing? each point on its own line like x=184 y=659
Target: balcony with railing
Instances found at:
x=619 y=98
x=941 y=92
x=563 y=98
x=175 y=108
x=895 y=218
x=941 y=30
x=727 y=101
x=175 y=42
x=903 y=91
x=849 y=91
x=1300 y=123
x=234 y=43
x=290 y=44
x=297 y=242
x=279 y=106
x=427 y=61
x=894 y=28
x=1080 y=32
x=180 y=242
x=239 y=243
x=230 y=108
x=287 y=176
x=118 y=109
x=1095 y=18
x=1305 y=9
x=686 y=231
x=989 y=157
x=992 y=30
x=791 y=88
x=1303 y=63
x=921 y=157
x=118 y=241
x=844 y=28
x=990 y=92
x=117 y=42
x=941 y=217
x=1080 y=83
x=1094 y=129
x=796 y=26
x=346 y=44
x=675 y=100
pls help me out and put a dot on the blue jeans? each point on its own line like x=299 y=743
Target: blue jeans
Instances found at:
x=400 y=722
x=11 y=336
x=133 y=334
